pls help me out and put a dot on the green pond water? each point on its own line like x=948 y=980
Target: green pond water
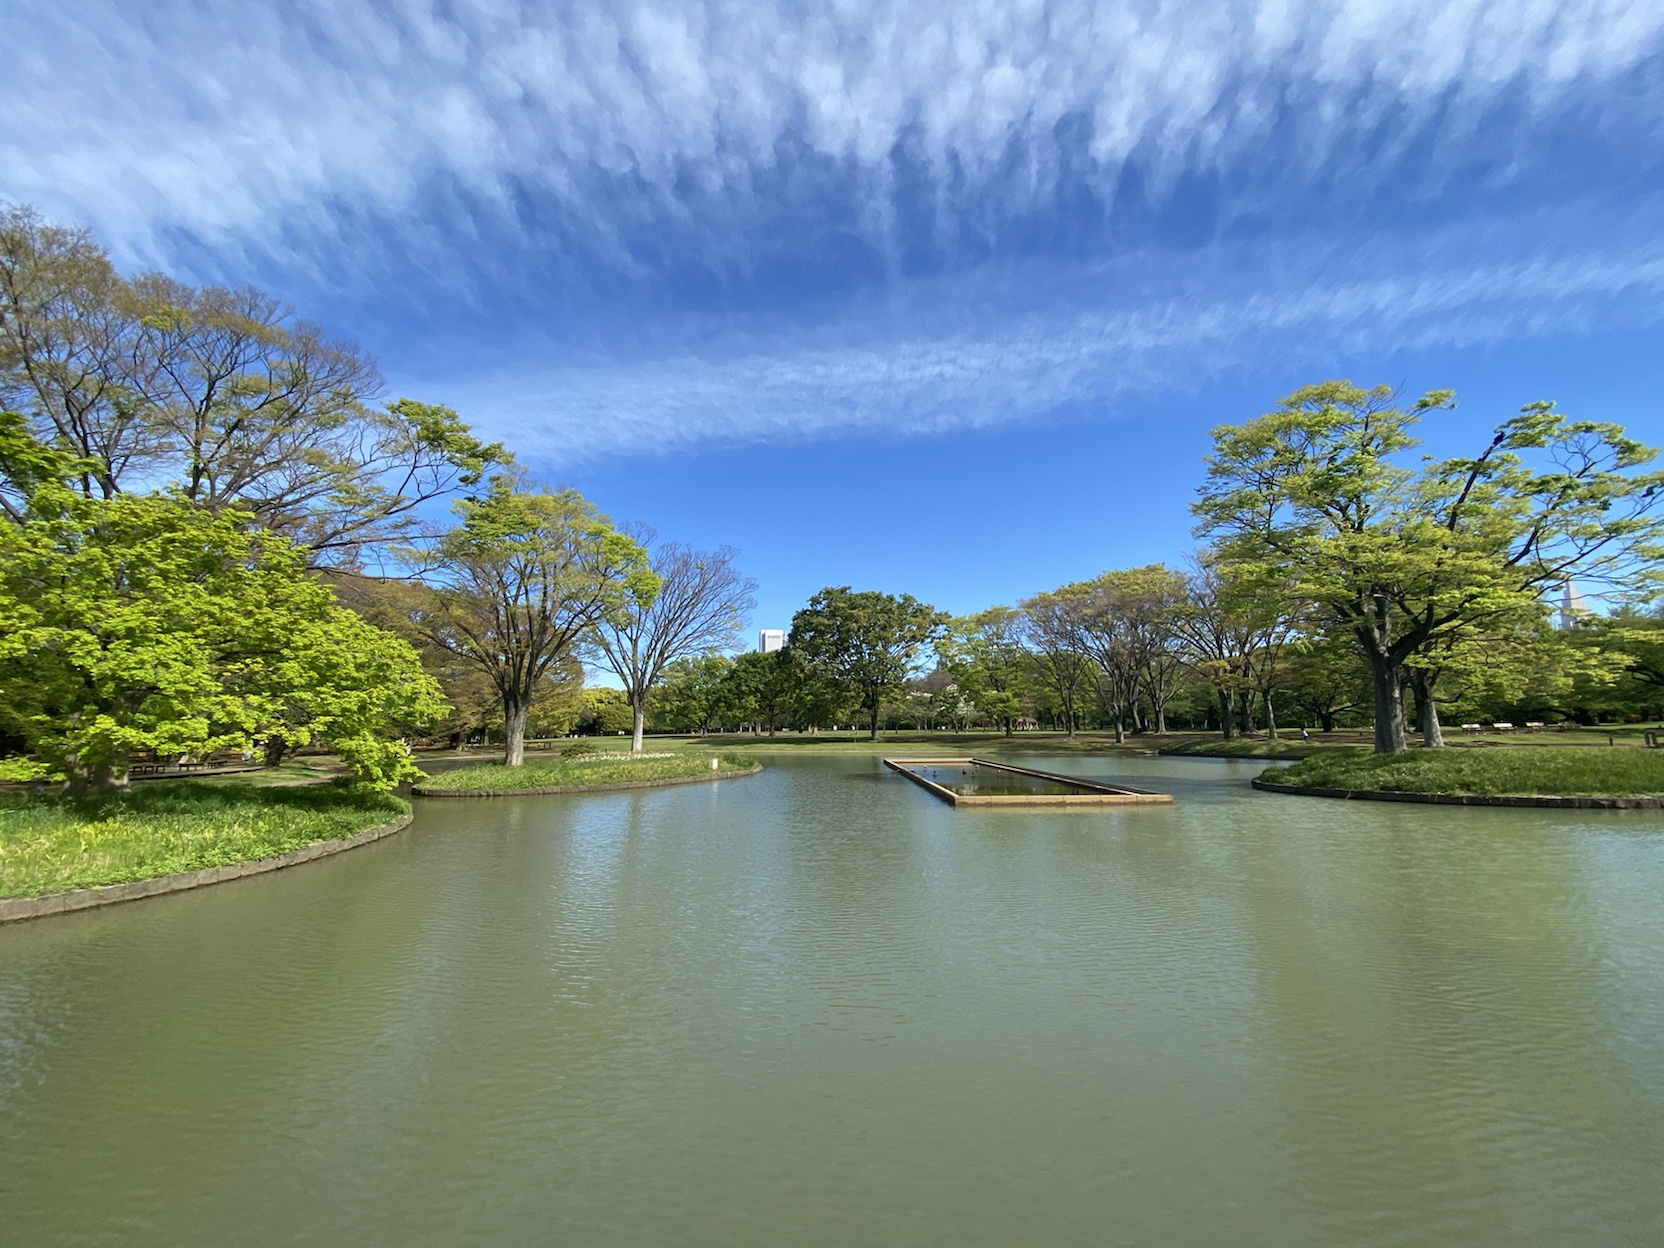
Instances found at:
x=821 y=1007
x=971 y=780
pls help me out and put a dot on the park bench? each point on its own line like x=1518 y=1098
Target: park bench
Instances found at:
x=1502 y=725
x=1473 y=727
x=1534 y=725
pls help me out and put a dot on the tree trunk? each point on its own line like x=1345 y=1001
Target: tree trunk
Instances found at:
x=1386 y=681
x=1161 y=719
x=276 y=748
x=1270 y=718
x=638 y=716
x=107 y=777
x=873 y=735
x=1326 y=719
x=514 y=731
x=1227 y=714
x=1120 y=725
x=1427 y=711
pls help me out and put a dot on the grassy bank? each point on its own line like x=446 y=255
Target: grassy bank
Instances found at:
x=604 y=768
x=1588 y=771
x=51 y=844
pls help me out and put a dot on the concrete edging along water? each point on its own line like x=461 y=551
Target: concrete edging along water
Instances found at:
x=1464 y=799
x=14 y=909
x=1098 y=792
x=551 y=790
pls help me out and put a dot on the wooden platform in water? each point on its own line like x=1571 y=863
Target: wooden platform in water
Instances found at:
x=1085 y=792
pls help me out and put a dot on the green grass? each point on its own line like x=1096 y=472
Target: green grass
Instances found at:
x=607 y=768
x=1215 y=746
x=1588 y=771
x=50 y=844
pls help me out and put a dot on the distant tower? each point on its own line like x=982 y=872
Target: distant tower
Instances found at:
x=1573 y=609
x=771 y=639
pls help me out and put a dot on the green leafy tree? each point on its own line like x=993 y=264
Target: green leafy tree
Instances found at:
x=693 y=693
x=867 y=643
x=144 y=623
x=1406 y=561
x=985 y=655
x=517 y=584
x=766 y=688
x=605 y=712
x=222 y=394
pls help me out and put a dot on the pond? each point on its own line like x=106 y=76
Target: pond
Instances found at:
x=971 y=779
x=821 y=1007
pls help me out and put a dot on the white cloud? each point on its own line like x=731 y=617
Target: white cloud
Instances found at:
x=237 y=120
x=1034 y=365
x=624 y=140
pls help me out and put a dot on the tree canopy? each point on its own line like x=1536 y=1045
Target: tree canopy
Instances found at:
x=519 y=582
x=145 y=623
x=866 y=642
x=1406 y=560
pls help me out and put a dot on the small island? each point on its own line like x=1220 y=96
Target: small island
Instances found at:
x=1543 y=775
x=64 y=844
x=586 y=771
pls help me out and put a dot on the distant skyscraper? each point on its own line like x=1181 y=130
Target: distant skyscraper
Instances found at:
x=1572 y=606
x=771 y=639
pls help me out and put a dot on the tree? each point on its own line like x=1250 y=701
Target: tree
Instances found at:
x=1216 y=636
x=1124 y=620
x=144 y=623
x=1327 y=677
x=519 y=582
x=698 y=605
x=1050 y=626
x=222 y=393
x=606 y=712
x=1407 y=561
x=693 y=693
x=985 y=656
x=765 y=687
x=865 y=642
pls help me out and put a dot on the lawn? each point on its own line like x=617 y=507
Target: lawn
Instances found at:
x=611 y=767
x=1571 y=771
x=51 y=844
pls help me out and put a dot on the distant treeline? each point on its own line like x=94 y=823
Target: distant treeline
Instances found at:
x=216 y=535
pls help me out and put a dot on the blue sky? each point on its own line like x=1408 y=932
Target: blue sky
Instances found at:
x=936 y=299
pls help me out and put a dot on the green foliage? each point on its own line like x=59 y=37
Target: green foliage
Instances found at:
x=145 y=623
x=1410 y=563
x=693 y=694
x=581 y=749
x=985 y=655
x=771 y=689
x=609 y=767
x=865 y=643
x=51 y=844
x=517 y=584
x=222 y=395
x=605 y=711
x=1581 y=771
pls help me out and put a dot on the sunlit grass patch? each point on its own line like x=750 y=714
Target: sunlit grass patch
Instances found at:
x=596 y=769
x=51 y=844
x=1589 y=771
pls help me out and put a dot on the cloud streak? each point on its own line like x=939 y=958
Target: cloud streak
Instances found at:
x=1039 y=365
x=607 y=128
x=784 y=221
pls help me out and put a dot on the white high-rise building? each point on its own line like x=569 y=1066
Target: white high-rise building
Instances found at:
x=1573 y=608
x=771 y=639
